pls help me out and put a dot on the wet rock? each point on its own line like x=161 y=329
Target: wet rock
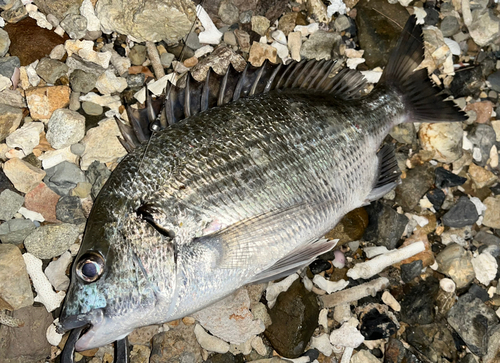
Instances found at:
x=10 y=202
x=25 y=138
x=51 y=240
x=417 y=305
x=491 y=215
x=463 y=213
x=151 y=21
x=481 y=177
x=434 y=341
x=108 y=83
x=456 y=263
x=319 y=265
x=444 y=139
x=446 y=179
x=385 y=226
x=27 y=343
x=320 y=45
x=259 y=52
x=43 y=101
x=436 y=196
x=15 y=290
x=50 y=70
x=350 y=228
x=101 y=144
x=75 y=25
x=97 y=175
x=395 y=352
x=376 y=322
x=485 y=27
x=56 y=272
x=449 y=26
x=10 y=119
x=413 y=187
x=409 y=271
x=43 y=200
x=15 y=230
x=63 y=177
x=8 y=65
x=179 y=344
x=23 y=175
x=69 y=210
x=294 y=318
x=82 y=81
x=65 y=128
x=472 y=320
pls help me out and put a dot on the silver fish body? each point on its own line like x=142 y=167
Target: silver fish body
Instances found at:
x=230 y=196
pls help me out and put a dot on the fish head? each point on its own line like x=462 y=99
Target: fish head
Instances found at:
x=124 y=271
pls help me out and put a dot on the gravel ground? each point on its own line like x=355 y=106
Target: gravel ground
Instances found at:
x=414 y=276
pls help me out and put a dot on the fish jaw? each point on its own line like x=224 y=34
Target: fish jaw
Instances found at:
x=101 y=333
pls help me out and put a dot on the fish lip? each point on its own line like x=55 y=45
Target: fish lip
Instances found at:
x=79 y=322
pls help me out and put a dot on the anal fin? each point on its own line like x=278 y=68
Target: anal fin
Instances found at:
x=388 y=173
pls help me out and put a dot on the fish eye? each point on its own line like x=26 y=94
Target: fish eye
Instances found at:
x=90 y=266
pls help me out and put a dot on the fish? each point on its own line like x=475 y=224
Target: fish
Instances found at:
x=237 y=185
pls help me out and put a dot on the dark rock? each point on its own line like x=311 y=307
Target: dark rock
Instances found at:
x=494 y=80
x=482 y=136
x=97 y=175
x=28 y=343
x=487 y=238
x=120 y=47
x=472 y=320
x=468 y=358
x=8 y=65
x=271 y=9
x=376 y=325
x=179 y=344
x=449 y=26
x=69 y=210
x=312 y=354
x=395 y=352
x=467 y=82
x=63 y=177
x=319 y=265
x=446 y=179
x=136 y=80
x=378 y=32
x=350 y=228
x=30 y=42
x=16 y=230
x=10 y=202
x=432 y=17
x=82 y=81
x=411 y=270
x=5 y=183
x=294 y=317
x=417 y=306
x=226 y=358
x=50 y=70
x=436 y=196
x=463 y=213
x=385 y=225
x=479 y=292
x=417 y=182
x=434 y=341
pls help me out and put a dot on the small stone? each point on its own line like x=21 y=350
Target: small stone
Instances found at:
x=364 y=356
x=449 y=26
x=29 y=214
x=56 y=272
x=385 y=225
x=446 y=179
x=43 y=200
x=243 y=39
x=15 y=230
x=320 y=45
x=230 y=38
x=97 y=174
x=58 y=52
x=483 y=110
x=26 y=138
x=69 y=210
x=63 y=177
x=190 y=62
x=10 y=202
x=417 y=182
x=485 y=267
x=87 y=10
x=260 y=24
x=178 y=344
x=50 y=70
x=4 y=42
x=435 y=349
x=348 y=335
x=82 y=190
x=409 y=271
x=65 y=127
x=228 y=12
x=259 y=52
x=51 y=241
x=16 y=289
x=210 y=342
x=444 y=139
x=144 y=335
x=319 y=266
x=481 y=177
x=23 y=175
x=12 y=98
x=82 y=81
x=10 y=119
x=484 y=27
x=166 y=61
x=322 y=343
x=391 y=301
x=282 y=50
x=137 y=54
x=140 y=354
x=463 y=213
x=43 y=101
x=85 y=49
x=417 y=305
x=456 y=263
x=192 y=41
x=8 y=65
x=436 y=197
x=51 y=158
x=492 y=215
x=75 y=25
x=108 y=83
x=376 y=321
x=342 y=23
x=92 y=109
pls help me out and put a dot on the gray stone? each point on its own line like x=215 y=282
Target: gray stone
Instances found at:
x=69 y=210
x=97 y=174
x=77 y=149
x=63 y=177
x=50 y=70
x=404 y=133
x=165 y=59
x=449 y=26
x=75 y=25
x=92 y=108
x=463 y=213
x=228 y=12
x=472 y=320
x=76 y=62
x=494 y=80
x=4 y=42
x=482 y=136
x=385 y=225
x=137 y=80
x=260 y=24
x=7 y=4
x=417 y=182
x=485 y=27
x=178 y=344
x=16 y=13
x=230 y=38
x=342 y=23
x=50 y=241
x=411 y=270
x=59 y=8
x=320 y=45
x=65 y=127
x=456 y=263
x=12 y=98
x=434 y=341
x=10 y=119
x=246 y=17
x=494 y=346
x=10 y=202
x=16 y=230
x=192 y=41
x=8 y=65
x=27 y=344
x=137 y=54
x=16 y=289
x=82 y=81
x=152 y=20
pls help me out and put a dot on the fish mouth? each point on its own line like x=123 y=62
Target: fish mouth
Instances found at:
x=81 y=323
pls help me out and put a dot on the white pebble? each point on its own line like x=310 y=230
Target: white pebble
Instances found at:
x=29 y=214
x=26 y=138
x=279 y=36
x=211 y=35
x=282 y=50
x=476 y=154
x=259 y=345
x=305 y=30
x=322 y=343
x=87 y=10
x=329 y=286
x=486 y=267
x=307 y=283
x=276 y=288
x=56 y=271
x=494 y=157
x=480 y=207
x=45 y=294
x=200 y=52
x=41 y=19
x=336 y=6
x=453 y=45
x=342 y=313
x=347 y=335
x=372 y=76
x=390 y=300
x=209 y=342
x=466 y=143
x=352 y=63
x=375 y=251
x=53 y=337
x=447 y=285
x=57 y=52
x=420 y=13
x=323 y=319
x=5 y=82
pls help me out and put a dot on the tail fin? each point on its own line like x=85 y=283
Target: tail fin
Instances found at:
x=422 y=99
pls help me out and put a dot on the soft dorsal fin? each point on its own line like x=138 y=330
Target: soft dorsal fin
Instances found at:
x=216 y=90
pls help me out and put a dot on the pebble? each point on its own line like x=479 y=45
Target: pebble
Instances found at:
x=82 y=81
x=23 y=175
x=69 y=210
x=484 y=28
x=65 y=127
x=463 y=213
x=210 y=342
x=10 y=119
x=8 y=66
x=411 y=270
x=26 y=138
x=446 y=179
x=491 y=215
x=322 y=343
x=58 y=52
x=481 y=177
x=243 y=39
x=56 y=272
x=53 y=157
x=229 y=38
x=87 y=10
x=385 y=225
x=15 y=290
x=320 y=45
x=444 y=139
x=108 y=83
x=50 y=70
x=449 y=26
x=137 y=54
x=260 y=24
x=85 y=49
x=43 y=200
x=294 y=45
x=259 y=52
x=43 y=101
x=75 y=25
x=190 y=62
x=412 y=188
x=364 y=356
x=348 y=335
x=92 y=109
x=63 y=177
x=112 y=102
x=485 y=267
x=51 y=241
x=15 y=230
x=456 y=263
x=10 y=202
x=391 y=301
x=4 y=42
x=166 y=61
